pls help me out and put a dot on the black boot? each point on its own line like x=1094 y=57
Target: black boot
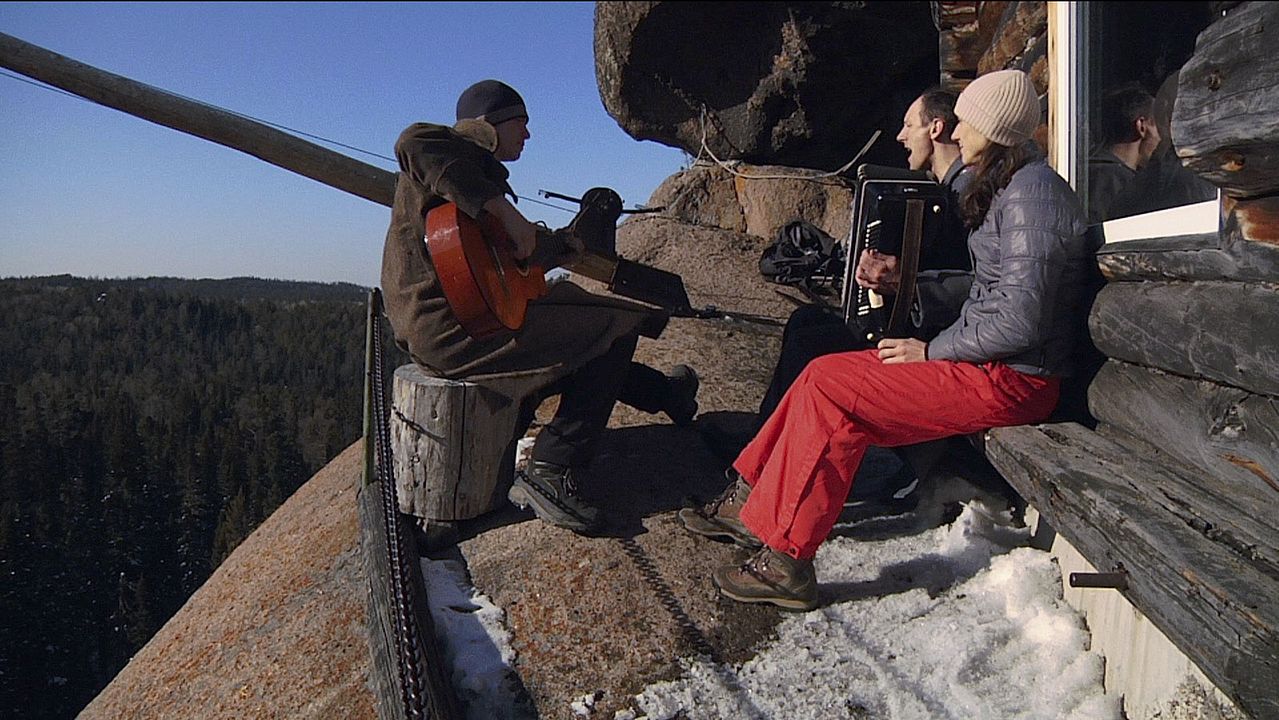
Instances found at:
x=551 y=490
x=682 y=403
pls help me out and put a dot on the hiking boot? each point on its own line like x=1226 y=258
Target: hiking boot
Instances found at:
x=770 y=577
x=720 y=519
x=551 y=490
x=682 y=405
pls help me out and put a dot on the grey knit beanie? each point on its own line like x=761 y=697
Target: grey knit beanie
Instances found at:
x=490 y=100
x=1001 y=105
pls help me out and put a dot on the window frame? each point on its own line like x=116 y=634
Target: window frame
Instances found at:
x=1068 y=52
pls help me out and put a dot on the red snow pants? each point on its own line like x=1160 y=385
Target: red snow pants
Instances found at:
x=801 y=463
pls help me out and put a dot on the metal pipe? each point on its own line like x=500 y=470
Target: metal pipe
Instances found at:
x=1117 y=580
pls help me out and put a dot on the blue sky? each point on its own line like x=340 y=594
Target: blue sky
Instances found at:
x=91 y=191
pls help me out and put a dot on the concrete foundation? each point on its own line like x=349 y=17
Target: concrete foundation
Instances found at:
x=1154 y=679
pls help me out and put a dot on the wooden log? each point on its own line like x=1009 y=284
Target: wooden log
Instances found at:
x=952 y=15
x=450 y=440
x=990 y=15
x=1227 y=96
x=1020 y=22
x=958 y=45
x=440 y=699
x=1219 y=331
x=1189 y=257
x=1199 y=583
x=1230 y=434
x=384 y=660
x=203 y=121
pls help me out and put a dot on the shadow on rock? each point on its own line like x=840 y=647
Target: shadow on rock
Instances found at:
x=648 y=470
x=726 y=433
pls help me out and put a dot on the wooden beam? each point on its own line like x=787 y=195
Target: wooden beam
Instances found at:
x=1195 y=580
x=203 y=121
x=1219 y=331
x=1229 y=434
x=1227 y=98
x=383 y=621
x=384 y=669
x=1189 y=257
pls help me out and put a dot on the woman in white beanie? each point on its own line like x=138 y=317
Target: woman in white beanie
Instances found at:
x=999 y=364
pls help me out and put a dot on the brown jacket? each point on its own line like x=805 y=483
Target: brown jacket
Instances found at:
x=561 y=332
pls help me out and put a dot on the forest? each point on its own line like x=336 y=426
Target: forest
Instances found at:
x=147 y=426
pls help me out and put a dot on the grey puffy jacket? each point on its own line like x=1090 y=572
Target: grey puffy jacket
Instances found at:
x=1032 y=260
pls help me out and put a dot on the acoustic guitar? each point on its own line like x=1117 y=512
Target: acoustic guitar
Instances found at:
x=489 y=290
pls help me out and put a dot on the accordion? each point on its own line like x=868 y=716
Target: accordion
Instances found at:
x=895 y=212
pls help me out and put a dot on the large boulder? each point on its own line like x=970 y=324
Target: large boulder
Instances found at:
x=719 y=267
x=755 y=199
x=770 y=83
x=700 y=195
x=772 y=196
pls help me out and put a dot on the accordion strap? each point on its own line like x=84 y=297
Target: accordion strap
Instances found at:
x=908 y=265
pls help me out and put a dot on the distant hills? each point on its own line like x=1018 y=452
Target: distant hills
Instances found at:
x=237 y=288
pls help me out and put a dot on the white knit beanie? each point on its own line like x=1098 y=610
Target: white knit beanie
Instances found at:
x=1001 y=105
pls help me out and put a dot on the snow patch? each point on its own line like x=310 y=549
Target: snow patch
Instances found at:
x=956 y=622
x=475 y=644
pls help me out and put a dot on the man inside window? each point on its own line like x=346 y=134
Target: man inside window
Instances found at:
x=1128 y=137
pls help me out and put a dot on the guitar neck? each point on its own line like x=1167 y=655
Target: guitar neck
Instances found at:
x=595 y=266
x=624 y=277
x=552 y=246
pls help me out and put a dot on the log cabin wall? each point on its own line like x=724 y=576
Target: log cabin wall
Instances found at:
x=1178 y=483
x=975 y=38
x=958 y=43
x=1187 y=322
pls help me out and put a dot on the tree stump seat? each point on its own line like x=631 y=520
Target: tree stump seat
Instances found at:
x=454 y=448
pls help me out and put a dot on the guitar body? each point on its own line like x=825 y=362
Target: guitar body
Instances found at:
x=487 y=289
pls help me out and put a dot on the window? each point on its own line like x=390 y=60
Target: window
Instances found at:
x=1122 y=61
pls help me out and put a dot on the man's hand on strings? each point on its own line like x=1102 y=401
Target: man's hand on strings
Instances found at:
x=902 y=350
x=878 y=272
x=522 y=233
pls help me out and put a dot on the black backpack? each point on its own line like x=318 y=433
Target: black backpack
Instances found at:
x=802 y=253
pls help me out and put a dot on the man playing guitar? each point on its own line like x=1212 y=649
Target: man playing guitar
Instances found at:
x=571 y=342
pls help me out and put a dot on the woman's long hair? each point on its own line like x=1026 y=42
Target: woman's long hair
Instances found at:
x=993 y=172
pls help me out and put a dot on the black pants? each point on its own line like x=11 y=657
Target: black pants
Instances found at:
x=811 y=331
x=586 y=401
